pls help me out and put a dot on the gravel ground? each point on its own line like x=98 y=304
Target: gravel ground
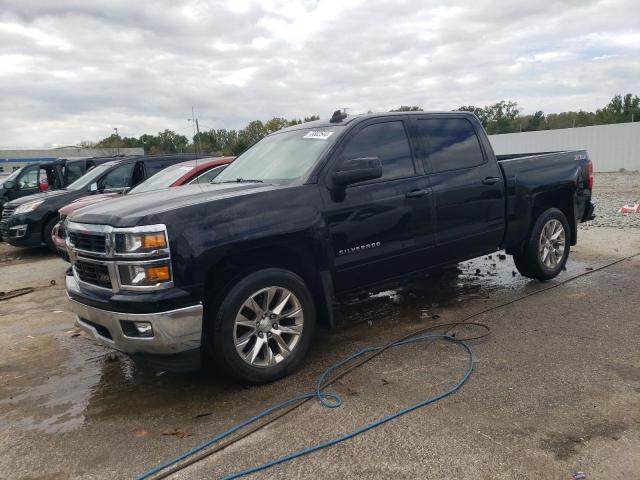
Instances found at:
x=612 y=191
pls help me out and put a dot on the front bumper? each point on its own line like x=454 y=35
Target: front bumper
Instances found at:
x=18 y=230
x=174 y=332
x=59 y=240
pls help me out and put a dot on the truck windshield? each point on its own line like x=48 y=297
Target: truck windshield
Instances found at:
x=281 y=158
x=91 y=176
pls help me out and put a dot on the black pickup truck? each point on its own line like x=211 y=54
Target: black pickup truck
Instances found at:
x=243 y=270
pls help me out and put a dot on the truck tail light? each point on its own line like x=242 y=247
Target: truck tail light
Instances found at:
x=590 y=175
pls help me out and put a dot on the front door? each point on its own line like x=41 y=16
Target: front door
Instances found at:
x=377 y=226
x=27 y=181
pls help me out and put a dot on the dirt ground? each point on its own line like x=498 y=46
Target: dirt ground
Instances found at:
x=556 y=387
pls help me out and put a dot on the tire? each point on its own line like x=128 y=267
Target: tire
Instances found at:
x=46 y=233
x=272 y=339
x=547 y=248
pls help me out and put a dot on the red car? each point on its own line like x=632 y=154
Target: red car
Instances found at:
x=202 y=170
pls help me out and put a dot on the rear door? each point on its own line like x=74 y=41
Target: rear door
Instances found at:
x=467 y=186
x=376 y=226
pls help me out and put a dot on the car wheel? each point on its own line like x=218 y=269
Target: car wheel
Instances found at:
x=263 y=327
x=46 y=233
x=547 y=249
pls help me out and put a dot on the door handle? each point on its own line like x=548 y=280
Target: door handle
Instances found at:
x=417 y=193
x=490 y=180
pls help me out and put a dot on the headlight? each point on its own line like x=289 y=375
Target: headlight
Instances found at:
x=144 y=275
x=28 y=207
x=141 y=242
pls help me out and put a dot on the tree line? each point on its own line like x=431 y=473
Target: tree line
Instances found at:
x=501 y=117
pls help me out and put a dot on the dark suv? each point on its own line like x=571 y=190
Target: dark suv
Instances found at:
x=29 y=221
x=45 y=176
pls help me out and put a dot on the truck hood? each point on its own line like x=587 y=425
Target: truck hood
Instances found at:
x=142 y=208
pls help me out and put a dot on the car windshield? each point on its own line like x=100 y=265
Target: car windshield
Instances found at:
x=281 y=158
x=91 y=176
x=162 y=179
x=13 y=175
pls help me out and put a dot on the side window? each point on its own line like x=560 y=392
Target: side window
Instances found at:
x=119 y=177
x=209 y=175
x=154 y=167
x=387 y=141
x=452 y=143
x=72 y=172
x=29 y=178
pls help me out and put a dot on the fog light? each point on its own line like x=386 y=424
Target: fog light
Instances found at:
x=144 y=329
x=19 y=231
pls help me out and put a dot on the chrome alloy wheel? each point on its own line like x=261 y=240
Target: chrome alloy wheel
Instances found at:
x=552 y=243
x=268 y=326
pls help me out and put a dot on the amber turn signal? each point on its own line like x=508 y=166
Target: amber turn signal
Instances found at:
x=153 y=241
x=158 y=274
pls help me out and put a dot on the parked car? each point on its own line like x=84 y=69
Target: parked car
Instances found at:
x=243 y=270
x=203 y=170
x=29 y=221
x=45 y=176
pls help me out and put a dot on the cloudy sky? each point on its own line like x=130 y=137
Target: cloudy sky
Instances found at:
x=74 y=70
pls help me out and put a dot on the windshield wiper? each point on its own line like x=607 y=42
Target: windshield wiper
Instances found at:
x=244 y=180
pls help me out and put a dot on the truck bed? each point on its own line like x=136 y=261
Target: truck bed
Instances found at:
x=529 y=175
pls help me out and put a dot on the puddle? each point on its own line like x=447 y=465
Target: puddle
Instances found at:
x=63 y=382
x=491 y=277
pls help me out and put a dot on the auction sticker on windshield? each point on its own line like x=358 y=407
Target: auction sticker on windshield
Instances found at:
x=318 y=134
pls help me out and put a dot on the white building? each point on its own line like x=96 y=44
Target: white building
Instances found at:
x=610 y=147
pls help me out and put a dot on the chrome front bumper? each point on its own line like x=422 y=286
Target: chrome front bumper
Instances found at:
x=174 y=331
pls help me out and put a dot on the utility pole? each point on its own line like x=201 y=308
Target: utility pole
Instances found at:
x=199 y=140
x=118 y=140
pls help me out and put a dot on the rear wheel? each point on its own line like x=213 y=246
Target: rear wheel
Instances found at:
x=263 y=327
x=547 y=249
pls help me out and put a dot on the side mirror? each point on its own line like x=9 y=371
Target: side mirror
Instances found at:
x=93 y=187
x=357 y=170
x=9 y=185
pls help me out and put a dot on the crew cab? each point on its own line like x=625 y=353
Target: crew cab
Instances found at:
x=240 y=273
x=202 y=170
x=29 y=221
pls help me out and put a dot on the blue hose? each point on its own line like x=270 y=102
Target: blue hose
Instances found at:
x=330 y=400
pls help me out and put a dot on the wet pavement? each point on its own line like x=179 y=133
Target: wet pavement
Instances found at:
x=556 y=387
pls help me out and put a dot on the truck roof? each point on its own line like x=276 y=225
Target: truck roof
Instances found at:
x=364 y=116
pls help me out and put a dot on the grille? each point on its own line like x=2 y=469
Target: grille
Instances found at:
x=88 y=242
x=93 y=273
x=7 y=211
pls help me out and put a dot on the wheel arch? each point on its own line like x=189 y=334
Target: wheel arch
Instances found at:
x=298 y=255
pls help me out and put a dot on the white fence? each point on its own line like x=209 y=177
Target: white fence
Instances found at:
x=611 y=147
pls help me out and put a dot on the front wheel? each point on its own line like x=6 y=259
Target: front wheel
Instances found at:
x=47 y=231
x=547 y=249
x=263 y=327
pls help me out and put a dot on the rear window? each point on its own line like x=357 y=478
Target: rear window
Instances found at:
x=452 y=143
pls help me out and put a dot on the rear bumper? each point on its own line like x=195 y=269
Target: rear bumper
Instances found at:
x=589 y=212
x=174 y=332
